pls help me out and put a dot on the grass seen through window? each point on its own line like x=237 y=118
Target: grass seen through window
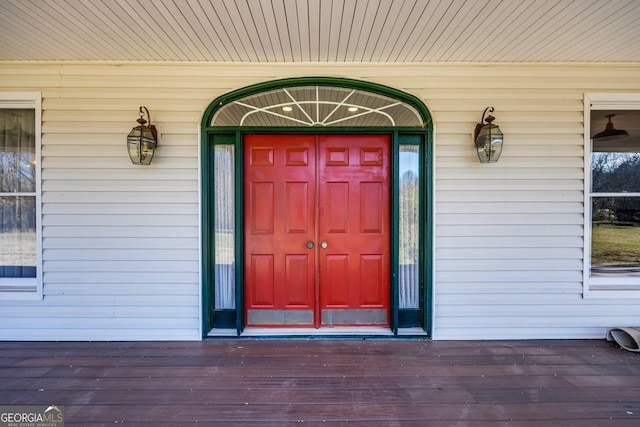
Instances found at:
x=614 y=245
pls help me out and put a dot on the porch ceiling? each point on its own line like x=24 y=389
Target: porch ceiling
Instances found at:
x=299 y=31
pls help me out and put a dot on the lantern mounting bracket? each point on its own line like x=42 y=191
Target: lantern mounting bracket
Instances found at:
x=489 y=119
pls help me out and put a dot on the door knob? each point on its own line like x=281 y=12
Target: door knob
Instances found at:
x=310 y=244
x=324 y=244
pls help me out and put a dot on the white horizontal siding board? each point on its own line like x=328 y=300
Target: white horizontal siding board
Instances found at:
x=445 y=185
x=510 y=196
x=490 y=232
x=535 y=243
x=482 y=276
x=507 y=263
x=155 y=104
x=127 y=333
x=57 y=312
x=553 y=310
x=113 y=323
x=508 y=173
x=509 y=208
x=461 y=145
x=141 y=275
x=156 y=311
x=512 y=105
x=118 y=197
x=484 y=228
x=112 y=128
x=507 y=299
x=117 y=209
x=546 y=289
x=115 y=242
x=465 y=219
x=105 y=291
x=148 y=185
x=122 y=266
x=91 y=280
x=124 y=173
x=546 y=322
x=121 y=255
x=469 y=160
x=109 y=147
x=523 y=332
x=511 y=253
x=134 y=232
x=142 y=300
x=119 y=311
x=146 y=220
x=112 y=150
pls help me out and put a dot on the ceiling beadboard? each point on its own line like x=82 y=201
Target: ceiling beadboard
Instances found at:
x=299 y=31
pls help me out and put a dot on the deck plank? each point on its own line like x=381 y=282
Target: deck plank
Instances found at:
x=361 y=382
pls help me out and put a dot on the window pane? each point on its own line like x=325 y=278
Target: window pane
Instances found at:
x=615 y=236
x=224 y=227
x=615 y=172
x=17 y=236
x=17 y=151
x=317 y=105
x=409 y=231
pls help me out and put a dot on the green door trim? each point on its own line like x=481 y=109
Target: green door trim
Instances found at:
x=232 y=135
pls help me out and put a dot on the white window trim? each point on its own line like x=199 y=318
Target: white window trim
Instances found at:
x=28 y=100
x=603 y=287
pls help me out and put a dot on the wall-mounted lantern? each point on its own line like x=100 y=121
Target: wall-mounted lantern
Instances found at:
x=488 y=138
x=142 y=140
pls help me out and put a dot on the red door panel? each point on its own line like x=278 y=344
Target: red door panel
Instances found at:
x=336 y=268
x=354 y=222
x=280 y=200
x=262 y=271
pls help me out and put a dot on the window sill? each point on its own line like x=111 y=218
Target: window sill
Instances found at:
x=20 y=290
x=613 y=291
x=20 y=296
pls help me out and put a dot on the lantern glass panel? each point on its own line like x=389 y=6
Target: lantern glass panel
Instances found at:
x=141 y=145
x=489 y=143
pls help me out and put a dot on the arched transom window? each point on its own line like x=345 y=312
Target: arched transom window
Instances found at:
x=317 y=106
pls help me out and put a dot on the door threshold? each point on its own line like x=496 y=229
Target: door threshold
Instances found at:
x=378 y=331
x=337 y=331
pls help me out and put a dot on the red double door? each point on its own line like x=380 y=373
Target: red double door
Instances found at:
x=316 y=230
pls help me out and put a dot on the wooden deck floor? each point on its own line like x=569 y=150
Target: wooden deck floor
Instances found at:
x=327 y=382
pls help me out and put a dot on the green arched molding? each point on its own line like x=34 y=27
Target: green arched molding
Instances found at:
x=233 y=135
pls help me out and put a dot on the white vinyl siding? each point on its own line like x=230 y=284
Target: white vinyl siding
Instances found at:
x=121 y=242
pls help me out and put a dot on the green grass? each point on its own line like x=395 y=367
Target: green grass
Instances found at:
x=615 y=245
